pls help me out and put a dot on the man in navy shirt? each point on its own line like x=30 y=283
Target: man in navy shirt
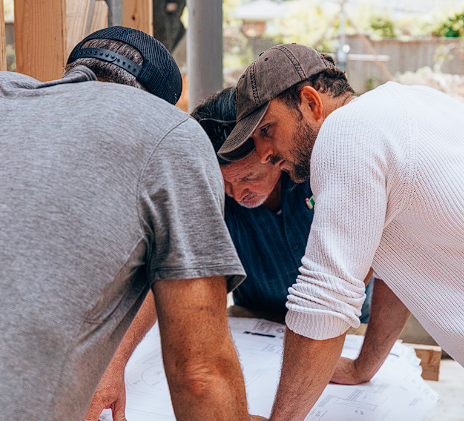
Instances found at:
x=267 y=214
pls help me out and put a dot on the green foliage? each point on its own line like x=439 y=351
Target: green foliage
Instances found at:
x=452 y=27
x=384 y=27
x=237 y=53
x=228 y=7
x=310 y=23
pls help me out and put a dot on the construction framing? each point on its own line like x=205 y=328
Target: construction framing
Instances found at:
x=2 y=38
x=47 y=30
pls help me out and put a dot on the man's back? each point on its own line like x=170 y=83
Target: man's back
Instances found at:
x=80 y=169
x=394 y=155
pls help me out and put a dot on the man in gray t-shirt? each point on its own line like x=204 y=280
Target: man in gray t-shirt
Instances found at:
x=107 y=191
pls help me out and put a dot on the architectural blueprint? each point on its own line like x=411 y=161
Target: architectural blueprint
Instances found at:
x=396 y=393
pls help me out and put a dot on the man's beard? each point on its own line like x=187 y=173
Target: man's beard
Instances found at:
x=304 y=139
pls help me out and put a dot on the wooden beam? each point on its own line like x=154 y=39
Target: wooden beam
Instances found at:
x=430 y=356
x=77 y=12
x=100 y=16
x=2 y=38
x=138 y=14
x=40 y=34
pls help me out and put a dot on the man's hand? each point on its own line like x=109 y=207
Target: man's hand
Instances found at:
x=110 y=394
x=346 y=372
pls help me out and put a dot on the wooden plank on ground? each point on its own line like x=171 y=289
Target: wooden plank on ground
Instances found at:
x=2 y=38
x=430 y=356
x=138 y=14
x=40 y=35
x=100 y=16
x=77 y=12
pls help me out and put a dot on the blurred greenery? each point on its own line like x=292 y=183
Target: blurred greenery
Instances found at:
x=385 y=27
x=8 y=10
x=452 y=27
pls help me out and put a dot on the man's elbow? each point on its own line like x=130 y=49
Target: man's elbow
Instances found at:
x=200 y=378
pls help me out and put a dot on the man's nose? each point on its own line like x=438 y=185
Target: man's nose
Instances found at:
x=263 y=151
x=237 y=193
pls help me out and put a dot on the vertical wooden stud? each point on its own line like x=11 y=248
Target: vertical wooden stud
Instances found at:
x=138 y=14
x=2 y=38
x=40 y=35
x=77 y=12
x=100 y=16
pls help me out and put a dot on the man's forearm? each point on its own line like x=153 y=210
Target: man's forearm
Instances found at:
x=111 y=390
x=387 y=320
x=215 y=392
x=142 y=323
x=307 y=368
x=202 y=367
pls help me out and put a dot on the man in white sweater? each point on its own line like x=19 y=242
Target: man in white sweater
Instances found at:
x=387 y=171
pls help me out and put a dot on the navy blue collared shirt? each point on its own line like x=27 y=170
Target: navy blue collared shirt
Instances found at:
x=271 y=246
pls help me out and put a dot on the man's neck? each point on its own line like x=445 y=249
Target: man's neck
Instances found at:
x=331 y=104
x=273 y=200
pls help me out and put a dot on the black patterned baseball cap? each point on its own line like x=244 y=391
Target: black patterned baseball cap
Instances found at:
x=158 y=73
x=272 y=73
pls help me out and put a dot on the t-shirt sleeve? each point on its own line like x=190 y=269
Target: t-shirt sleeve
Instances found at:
x=182 y=195
x=350 y=179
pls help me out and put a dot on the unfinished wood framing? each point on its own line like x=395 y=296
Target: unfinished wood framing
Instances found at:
x=2 y=38
x=138 y=14
x=40 y=34
x=430 y=357
x=77 y=14
x=47 y=31
x=99 y=17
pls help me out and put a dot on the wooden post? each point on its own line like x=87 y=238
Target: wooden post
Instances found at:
x=77 y=12
x=100 y=17
x=40 y=34
x=2 y=38
x=430 y=357
x=138 y=14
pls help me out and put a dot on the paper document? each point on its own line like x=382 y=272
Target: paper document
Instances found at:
x=396 y=393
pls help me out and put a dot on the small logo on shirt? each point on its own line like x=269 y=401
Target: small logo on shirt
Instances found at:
x=310 y=202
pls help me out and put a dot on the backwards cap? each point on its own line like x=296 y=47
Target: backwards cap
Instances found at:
x=272 y=73
x=158 y=73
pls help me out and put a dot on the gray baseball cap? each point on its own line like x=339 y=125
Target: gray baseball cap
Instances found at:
x=273 y=72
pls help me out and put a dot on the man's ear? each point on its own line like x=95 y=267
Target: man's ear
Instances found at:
x=311 y=102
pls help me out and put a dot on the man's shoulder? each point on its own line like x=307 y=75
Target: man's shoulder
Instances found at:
x=13 y=80
x=144 y=111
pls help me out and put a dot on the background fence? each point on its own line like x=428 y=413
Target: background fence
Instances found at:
x=402 y=56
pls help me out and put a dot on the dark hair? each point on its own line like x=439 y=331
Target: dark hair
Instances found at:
x=220 y=107
x=332 y=81
x=109 y=71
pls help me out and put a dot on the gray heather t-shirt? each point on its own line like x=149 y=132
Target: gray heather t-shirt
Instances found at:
x=104 y=189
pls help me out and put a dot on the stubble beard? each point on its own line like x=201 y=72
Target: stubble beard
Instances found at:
x=254 y=203
x=304 y=140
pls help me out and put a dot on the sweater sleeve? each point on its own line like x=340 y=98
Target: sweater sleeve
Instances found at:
x=349 y=179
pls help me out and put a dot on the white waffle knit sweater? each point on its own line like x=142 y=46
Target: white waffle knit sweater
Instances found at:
x=387 y=173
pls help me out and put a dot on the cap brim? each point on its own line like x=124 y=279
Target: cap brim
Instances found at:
x=239 y=143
